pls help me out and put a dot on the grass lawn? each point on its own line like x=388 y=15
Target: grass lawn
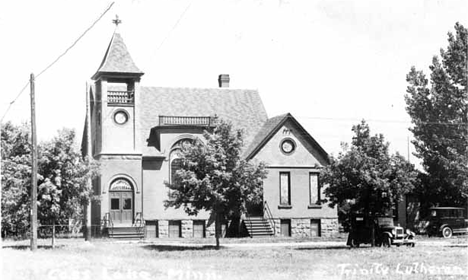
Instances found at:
x=162 y=259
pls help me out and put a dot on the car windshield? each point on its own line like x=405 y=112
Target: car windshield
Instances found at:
x=385 y=221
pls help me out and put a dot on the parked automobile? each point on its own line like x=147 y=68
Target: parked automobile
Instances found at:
x=446 y=221
x=385 y=232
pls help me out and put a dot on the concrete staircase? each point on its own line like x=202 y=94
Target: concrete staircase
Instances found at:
x=258 y=227
x=126 y=232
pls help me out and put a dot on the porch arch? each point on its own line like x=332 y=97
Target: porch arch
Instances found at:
x=121 y=201
x=126 y=177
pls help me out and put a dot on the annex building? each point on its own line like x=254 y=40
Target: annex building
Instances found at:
x=135 y=133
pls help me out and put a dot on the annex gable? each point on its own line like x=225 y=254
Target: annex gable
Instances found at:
x=288 y=144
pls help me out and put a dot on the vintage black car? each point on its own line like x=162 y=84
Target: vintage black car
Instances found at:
x=385 y=232
x=446 y=221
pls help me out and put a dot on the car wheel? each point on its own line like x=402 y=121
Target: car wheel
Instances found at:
x=447 y=232
x=354 y=244
x=386 y=241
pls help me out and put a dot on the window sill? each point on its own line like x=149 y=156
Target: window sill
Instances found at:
x=284 y=206
x=314 y=206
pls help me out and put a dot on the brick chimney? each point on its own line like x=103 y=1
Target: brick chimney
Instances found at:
x=223 y=80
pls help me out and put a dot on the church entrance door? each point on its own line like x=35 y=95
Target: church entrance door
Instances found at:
x=121 y=202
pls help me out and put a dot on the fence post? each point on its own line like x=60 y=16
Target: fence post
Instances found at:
x=53 y=234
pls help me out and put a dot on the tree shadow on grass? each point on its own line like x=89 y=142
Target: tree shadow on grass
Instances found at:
x=458 y=245
x=165 y=248
x=27 y=247
x=331 y=248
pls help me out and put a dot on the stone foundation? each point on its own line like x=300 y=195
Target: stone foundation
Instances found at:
x=329 y=227
x=187 y=228
x=301 y=227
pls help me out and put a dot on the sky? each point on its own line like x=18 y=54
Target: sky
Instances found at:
x=328 y=63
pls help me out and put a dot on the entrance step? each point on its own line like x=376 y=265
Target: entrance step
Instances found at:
x=258 y=227
x=126 y=232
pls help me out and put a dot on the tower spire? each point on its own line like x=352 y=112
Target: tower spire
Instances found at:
x=116 y=21
x=117 y=59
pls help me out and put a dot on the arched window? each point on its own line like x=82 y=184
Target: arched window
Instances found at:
x=175 y=165
x=175 y=161
x=121 y=185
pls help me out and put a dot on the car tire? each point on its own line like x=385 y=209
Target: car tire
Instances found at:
x=386 y=241
x=354 y=244
x=447 y=232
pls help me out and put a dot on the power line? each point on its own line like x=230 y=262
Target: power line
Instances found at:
x=352 y=119
x=378 y=120
x=174 y=27
x=14 y=100
x=57 y=59
x=76 y=41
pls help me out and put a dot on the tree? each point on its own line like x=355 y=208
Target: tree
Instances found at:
x=365 y=178
x=62 y=180
x=16 y=179
x=214 y=177
x=438 y=108
x=63 y=189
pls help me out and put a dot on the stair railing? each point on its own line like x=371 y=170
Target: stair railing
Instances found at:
x=140 y=223
x=269 y=216
x=250 y=224
x=108 y=223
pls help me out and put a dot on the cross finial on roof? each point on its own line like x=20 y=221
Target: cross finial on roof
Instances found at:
x=116 y=21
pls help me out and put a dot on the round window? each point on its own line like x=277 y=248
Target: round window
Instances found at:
x=121 y=117
x=288 y=146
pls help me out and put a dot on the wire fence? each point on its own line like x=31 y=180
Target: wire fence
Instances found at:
x=62 y=231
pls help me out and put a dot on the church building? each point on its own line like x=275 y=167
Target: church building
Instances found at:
x=135 y=132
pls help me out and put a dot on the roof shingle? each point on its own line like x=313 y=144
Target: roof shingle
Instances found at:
x=243 y=108
x=117 y=59
x=267 y=129
x=270 y=127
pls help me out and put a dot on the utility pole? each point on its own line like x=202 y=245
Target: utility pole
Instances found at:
x=34 y=168
x=87 y=205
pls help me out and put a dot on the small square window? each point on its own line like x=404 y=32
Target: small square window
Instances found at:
x=115 y=204
x=127 y=204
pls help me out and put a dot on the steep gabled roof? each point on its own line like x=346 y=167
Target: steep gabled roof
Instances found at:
x=242 y=107
x=270 y=128
x=117 y=60
x=264 y=133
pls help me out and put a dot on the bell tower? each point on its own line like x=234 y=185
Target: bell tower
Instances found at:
x=117 y=88
x=115 y=125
